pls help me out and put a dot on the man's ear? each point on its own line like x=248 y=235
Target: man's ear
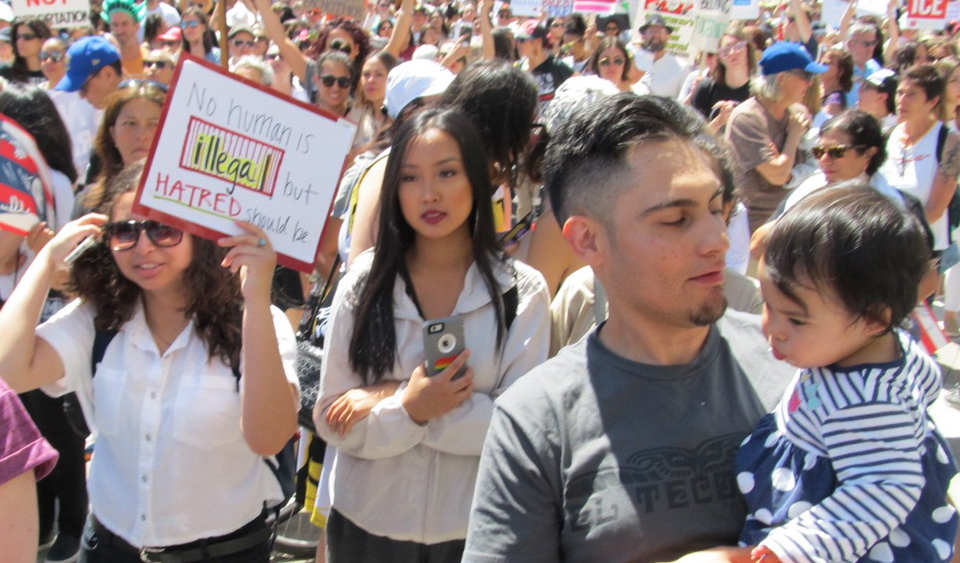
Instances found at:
x=587 y=238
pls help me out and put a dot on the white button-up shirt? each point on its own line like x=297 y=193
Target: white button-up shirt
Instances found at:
x=171 y=465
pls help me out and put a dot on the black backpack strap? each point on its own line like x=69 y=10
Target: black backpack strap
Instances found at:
x=941 y=141
x=101 y=340
x=511 y=302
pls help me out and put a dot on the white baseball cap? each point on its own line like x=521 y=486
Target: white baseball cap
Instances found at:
x=414 y=79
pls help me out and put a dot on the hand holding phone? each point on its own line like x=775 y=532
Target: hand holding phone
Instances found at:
x=427 y=397
x=443 y=341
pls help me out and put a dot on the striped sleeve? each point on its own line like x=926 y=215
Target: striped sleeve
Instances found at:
x=876 y=456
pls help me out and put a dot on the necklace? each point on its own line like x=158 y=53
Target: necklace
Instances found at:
x=907 y=143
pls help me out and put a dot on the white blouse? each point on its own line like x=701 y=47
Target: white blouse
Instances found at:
x=170 y=464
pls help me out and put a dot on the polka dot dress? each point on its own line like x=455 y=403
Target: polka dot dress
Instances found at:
x=822 y=490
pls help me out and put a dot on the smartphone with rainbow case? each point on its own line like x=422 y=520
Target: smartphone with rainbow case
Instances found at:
x=443 y=341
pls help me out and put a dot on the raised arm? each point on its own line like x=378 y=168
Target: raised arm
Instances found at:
x=486 y=29
x=804 y=27
x=268 y=400
x=28 y=362
x=893 y=30
x=288 y=49
x=847 y=19
x=400 y=36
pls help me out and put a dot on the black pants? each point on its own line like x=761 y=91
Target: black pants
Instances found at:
x=99 y=545
x=67 y=482
x=349 y=543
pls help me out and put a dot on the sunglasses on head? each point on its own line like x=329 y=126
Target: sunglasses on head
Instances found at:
x=241 y=43
x=55 y=56
x=27 y=36
x=190 y=24
x=123 y=235
x=329 y=80
x=833 y=151
x=159 y=64
x=138 y=82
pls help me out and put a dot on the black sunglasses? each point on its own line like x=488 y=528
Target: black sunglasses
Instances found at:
x=329 y=80
x=159 y=64
x=55 y=56
x=834 y=151
x=123 y=235
x=27 y=36
x=605 y=61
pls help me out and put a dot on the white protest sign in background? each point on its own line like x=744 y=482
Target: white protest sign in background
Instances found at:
x=833 y=10
x=527 y=8
x=709 y=21
x=745 y=10
x=925 y=14
x=228 y=150
x=56 y=13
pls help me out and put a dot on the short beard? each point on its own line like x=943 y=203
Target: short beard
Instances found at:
x=709 y=312
x=654 y=45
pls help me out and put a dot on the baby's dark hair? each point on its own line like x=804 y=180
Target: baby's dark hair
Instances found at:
x=868 y=250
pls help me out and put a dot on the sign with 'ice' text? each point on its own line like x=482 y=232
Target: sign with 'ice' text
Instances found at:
x=228 y=149
x=56 y=13
x=925 y=14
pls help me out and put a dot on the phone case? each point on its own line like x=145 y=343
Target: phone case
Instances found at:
x=443 y=341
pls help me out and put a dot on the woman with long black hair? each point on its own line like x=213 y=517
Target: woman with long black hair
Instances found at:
x=406 y=466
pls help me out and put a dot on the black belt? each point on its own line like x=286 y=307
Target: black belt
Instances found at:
x=247 y=537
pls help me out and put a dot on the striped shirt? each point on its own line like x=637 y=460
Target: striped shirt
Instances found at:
x=870 y=421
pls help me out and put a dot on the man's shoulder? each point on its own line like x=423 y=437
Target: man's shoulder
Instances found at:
x=749 y=348
x=545 y=387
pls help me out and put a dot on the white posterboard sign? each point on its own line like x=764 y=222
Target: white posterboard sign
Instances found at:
x=228 y=149
x=558 y=8
x=925 y=14
x=745 y=10
x=527 y=8
x=710 y=20
x=356 y=9
x=833 y=10
x=56 y=13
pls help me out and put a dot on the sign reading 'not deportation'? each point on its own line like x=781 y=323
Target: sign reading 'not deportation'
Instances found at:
x=228 y=149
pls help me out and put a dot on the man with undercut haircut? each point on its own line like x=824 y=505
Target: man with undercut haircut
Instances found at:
x=621 y=448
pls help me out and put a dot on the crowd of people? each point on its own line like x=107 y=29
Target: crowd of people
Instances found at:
x=679 y=286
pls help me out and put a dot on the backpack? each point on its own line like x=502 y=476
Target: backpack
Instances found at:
x=283 y=465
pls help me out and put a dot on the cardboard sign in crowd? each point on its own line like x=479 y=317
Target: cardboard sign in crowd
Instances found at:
x=228 y=149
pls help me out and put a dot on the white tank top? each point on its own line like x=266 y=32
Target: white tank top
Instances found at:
x=913 y=169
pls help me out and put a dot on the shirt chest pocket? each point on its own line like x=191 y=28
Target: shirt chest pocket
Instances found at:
x=207 y=411
x=108 y=389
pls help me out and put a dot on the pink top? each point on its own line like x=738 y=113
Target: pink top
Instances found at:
x=22 y=448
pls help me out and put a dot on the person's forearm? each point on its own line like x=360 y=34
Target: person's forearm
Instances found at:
x=19 y=317
x=804 y=27
x=400 y=36
x=486 y=34
x=269 y=416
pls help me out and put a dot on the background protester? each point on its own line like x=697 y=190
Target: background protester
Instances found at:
x=878 y=97
x=663 y=73
x=159 y=66
x=195 y=26
x=367 y=111
x=729 y=83
x=53 y=62
x=27 y=37
x=611 y=62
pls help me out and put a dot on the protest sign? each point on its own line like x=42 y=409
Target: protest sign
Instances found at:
x=603 y=7
x=709 y=21
x=833 y=10
x=356 y=9
x=558 y=8
x=953 y=10
x=56 y=13
x=228 y=149
x=26 y=195
x=527 y=8
x=745 y=10
x=925 y=14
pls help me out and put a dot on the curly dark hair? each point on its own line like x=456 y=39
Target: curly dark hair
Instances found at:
x=360 y=37
x=214 y=302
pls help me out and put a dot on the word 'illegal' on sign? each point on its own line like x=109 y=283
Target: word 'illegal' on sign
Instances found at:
x=230 y=156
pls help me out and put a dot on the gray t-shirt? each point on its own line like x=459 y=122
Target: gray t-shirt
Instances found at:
x=591 y=457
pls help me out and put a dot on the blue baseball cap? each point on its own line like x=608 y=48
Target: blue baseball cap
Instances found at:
x=786 y=56
x=84 y=59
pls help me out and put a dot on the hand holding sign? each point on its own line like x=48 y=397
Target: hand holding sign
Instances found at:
x=254 y=259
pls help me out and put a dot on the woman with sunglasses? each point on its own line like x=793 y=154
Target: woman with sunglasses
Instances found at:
x=611 y=62
x=27 y=38
x=53 y=62
x=729 y=83
x=334 y=77
x=198 y=40
x=196 y=384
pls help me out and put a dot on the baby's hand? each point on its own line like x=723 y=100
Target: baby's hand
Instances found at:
x=762 y=553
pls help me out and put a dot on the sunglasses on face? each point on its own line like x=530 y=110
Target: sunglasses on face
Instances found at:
x=607 y=61
x=27 y=36
x=138 y=82
x=833 y=151
x=238 y=43
x=55 y=56
x=190 y=24
x=123 y=235
x=505 y=15
x=341 y=46
x=730 y=49
x=329 y=80
x=272 y=56
x=556 y=24
x=159 y=64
